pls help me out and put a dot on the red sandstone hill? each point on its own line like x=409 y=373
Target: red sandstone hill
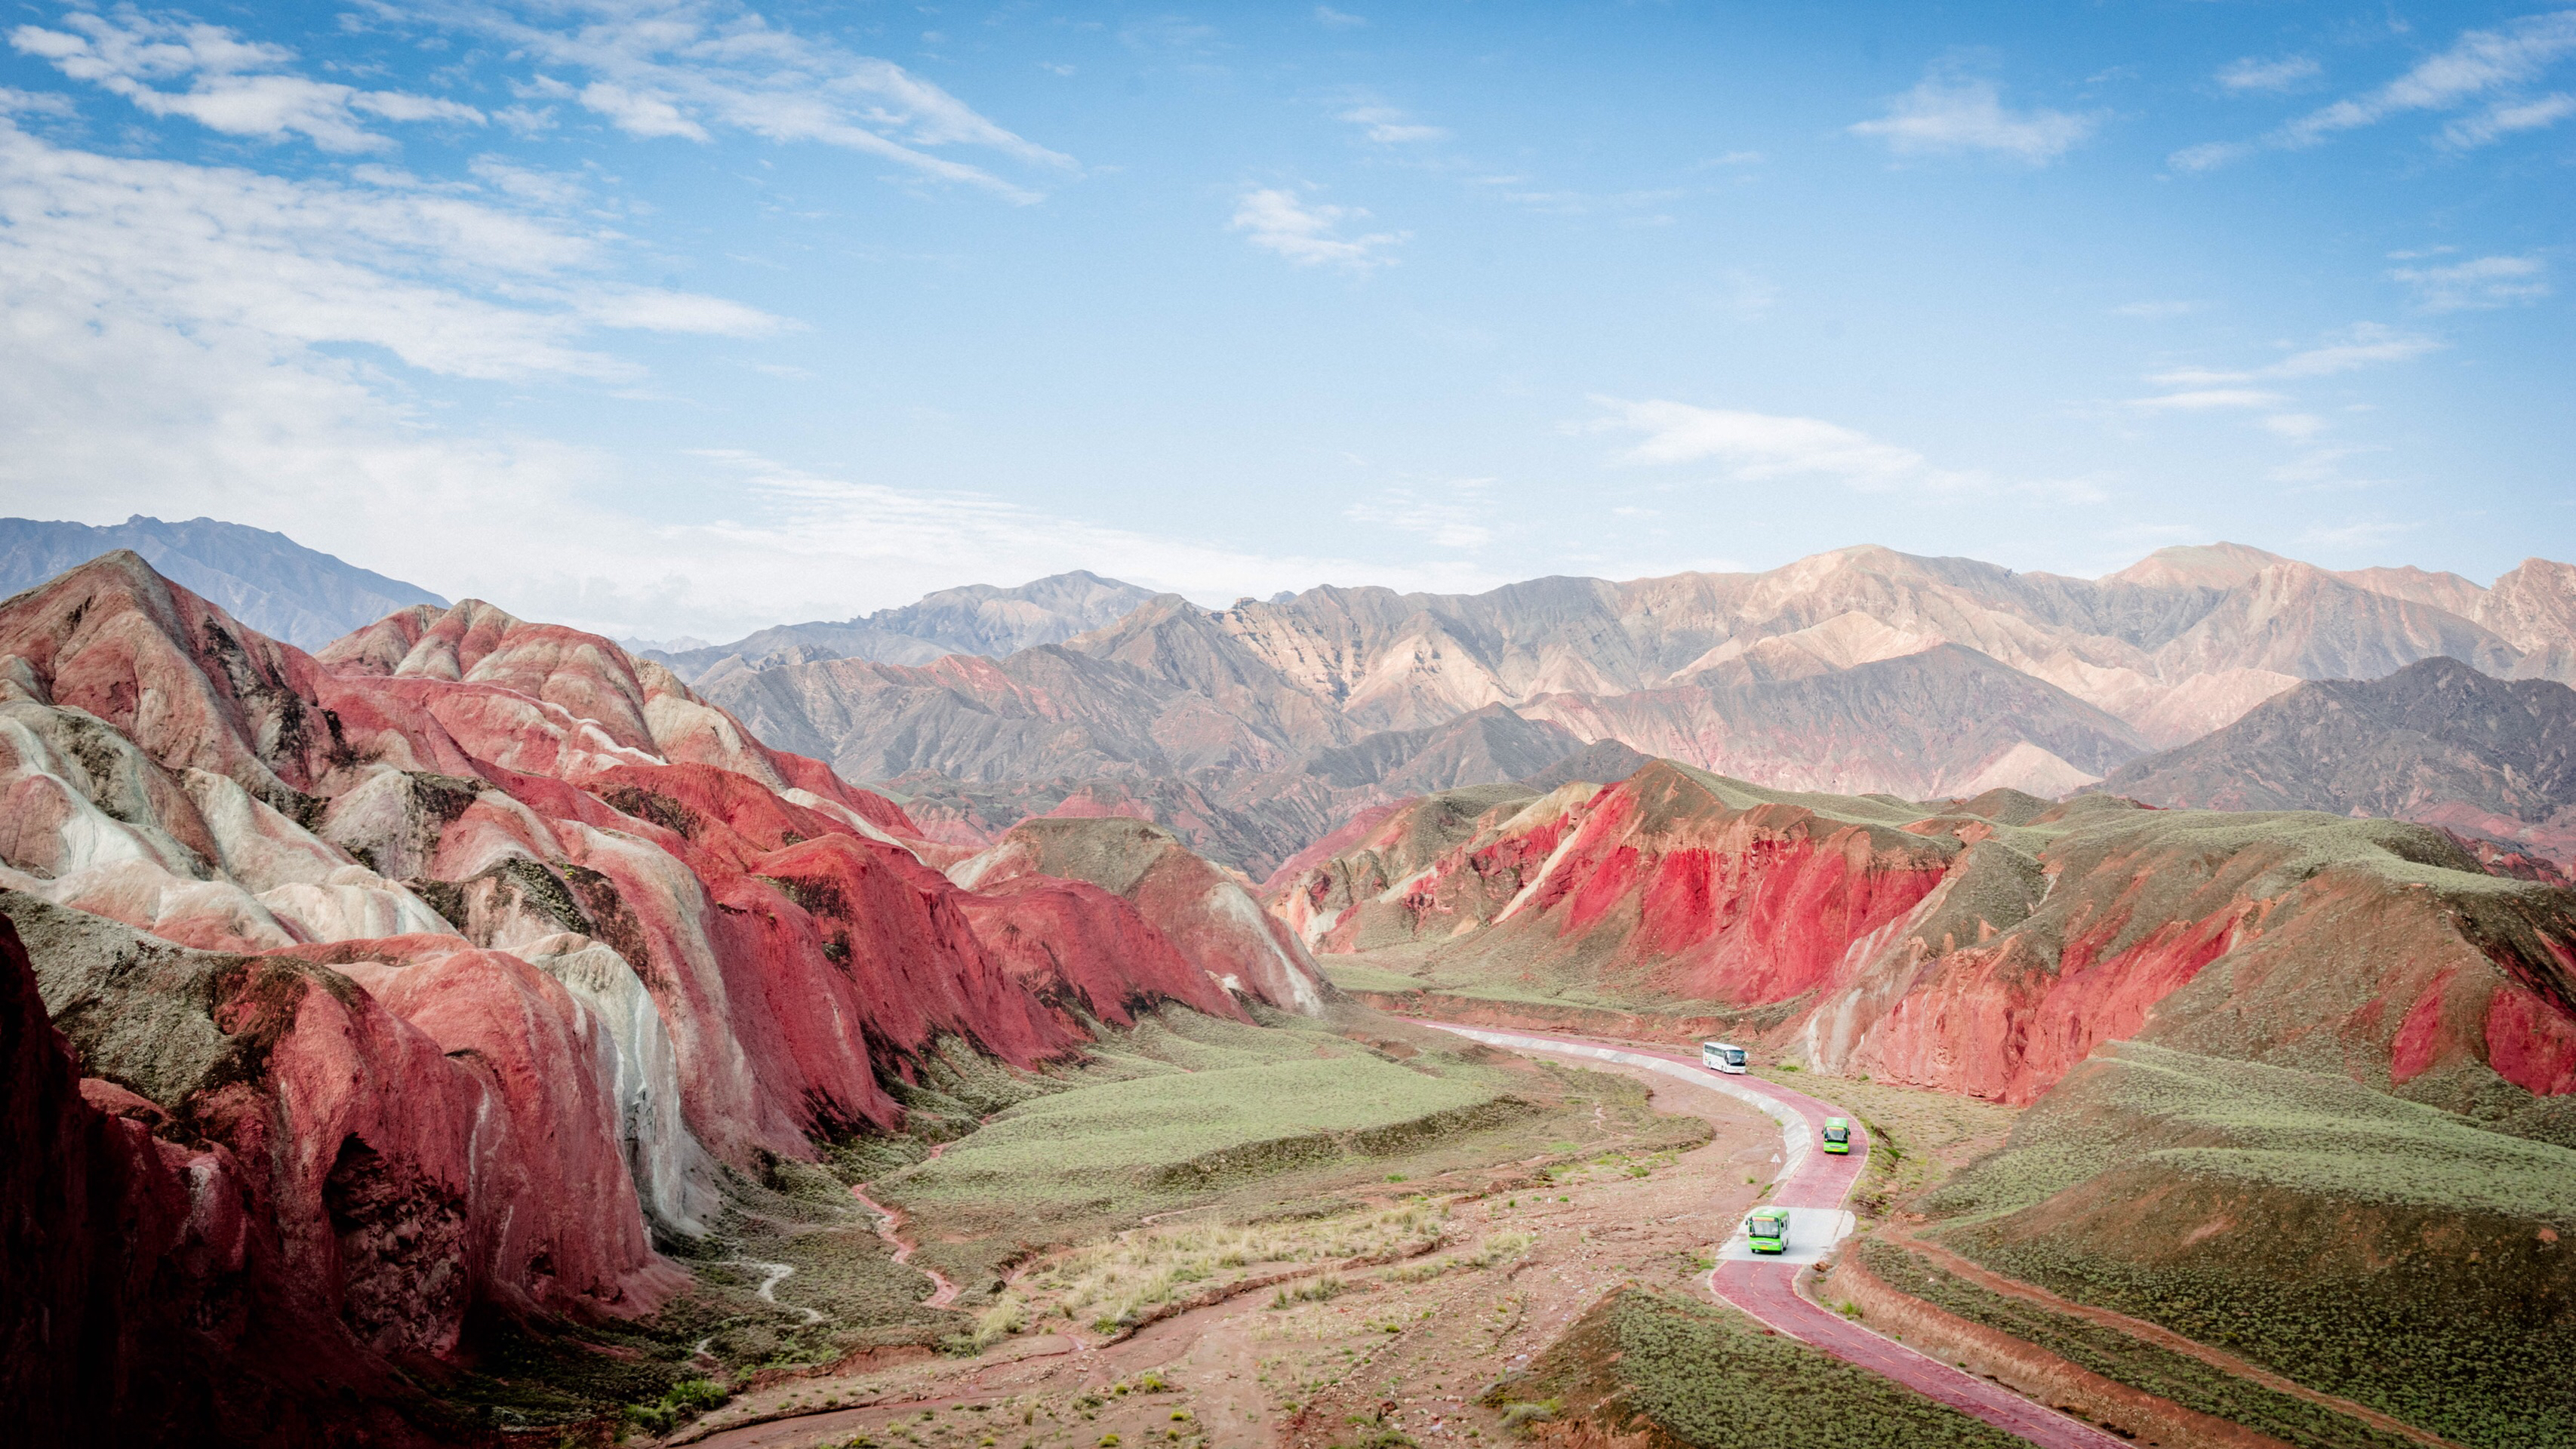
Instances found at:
x=438 y=972
x=1984 y=947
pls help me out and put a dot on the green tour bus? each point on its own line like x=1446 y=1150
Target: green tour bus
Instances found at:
x=1837 y=1135
x=1768 y=1230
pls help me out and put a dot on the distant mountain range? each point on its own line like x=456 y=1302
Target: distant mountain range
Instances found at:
x=1857 y=671
x=2435 y=742
x=266 y=580
x=976 y=619
x=1252 y=731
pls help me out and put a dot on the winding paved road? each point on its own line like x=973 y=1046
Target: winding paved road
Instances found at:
x=1814 y=1186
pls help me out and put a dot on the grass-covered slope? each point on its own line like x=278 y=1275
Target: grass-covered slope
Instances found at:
x=1187 y=1111
x=2381 y=1250
x=1710 y=1378
x=2123 y=1358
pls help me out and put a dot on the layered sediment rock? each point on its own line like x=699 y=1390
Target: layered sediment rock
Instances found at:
x=440 y=971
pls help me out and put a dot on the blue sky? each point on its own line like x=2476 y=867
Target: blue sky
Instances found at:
x=690 y=318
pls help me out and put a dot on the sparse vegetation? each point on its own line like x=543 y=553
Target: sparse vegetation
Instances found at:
x=1711 y=1378
x=2118 y=1356
x=1110 y=1285
x=2375 y=1249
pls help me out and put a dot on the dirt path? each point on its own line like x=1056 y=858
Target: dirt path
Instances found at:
x=1399 y=1345
x=1766 y=1289
x=890 y=1227
x=2155 y=1333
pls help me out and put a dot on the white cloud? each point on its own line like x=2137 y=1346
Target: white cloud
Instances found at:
x=2359 y=534
x=2481 y=283
x=686 y=68
x=2506 y=117
x=1388 y=126
x=1332 y=19
x=1951 y=114
x=33 y=103
x=1759 y=447
x=172 y=342
x=2206 y=389
x=527 y=183
x=1310 y=236
x=2479 y=64
x=2297 y=427
x=2206 y=399
x=1452 y=522
x=1755 y=446
x=2155 y=311
x=448 y=285
x=2363 y=344
x=238 y=87
x=2251 y=74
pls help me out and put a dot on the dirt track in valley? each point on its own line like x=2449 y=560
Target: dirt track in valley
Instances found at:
x=1247 y=1375
x=1411 y=1352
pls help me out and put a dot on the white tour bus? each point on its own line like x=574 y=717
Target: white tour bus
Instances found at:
x=1720 y=1056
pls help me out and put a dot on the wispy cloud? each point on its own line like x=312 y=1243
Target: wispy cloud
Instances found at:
x=2506 y=117
x=448 y=285
x=2479 y=65
x=1760 y=447
x=1310 y=235
x=2208 y=399
x=2155 y=311
x=238 y=87
x=2204 y=389
x=2363 y=344
x=1452 y=518
x=1332 y=19
x=685 y=69
x=2253 y=74
x=1388 y=126
x=2477 y=284
x=1951 y=114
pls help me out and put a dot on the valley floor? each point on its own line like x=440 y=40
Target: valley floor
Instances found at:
x=1402 y=1348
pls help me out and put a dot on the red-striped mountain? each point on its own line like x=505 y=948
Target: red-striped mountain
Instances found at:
x=440 y=975
x=1983 y=946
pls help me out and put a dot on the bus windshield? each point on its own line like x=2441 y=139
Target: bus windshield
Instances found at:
x=1838 y=1134
x=1734 y=1056
x=1766 y=1227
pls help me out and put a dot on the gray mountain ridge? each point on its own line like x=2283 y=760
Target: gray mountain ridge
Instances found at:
x=975 y=619
x=266 y=580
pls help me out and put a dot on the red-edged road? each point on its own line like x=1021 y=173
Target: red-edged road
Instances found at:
x=1818 y=1183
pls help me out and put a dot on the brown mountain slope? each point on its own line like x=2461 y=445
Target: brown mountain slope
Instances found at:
x=1846 y=670
x=2436 y=742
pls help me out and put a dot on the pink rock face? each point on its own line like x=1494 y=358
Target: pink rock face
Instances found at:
x=1074 y=943
x=635 y=900
x=553 y=1201
x=1207 y=915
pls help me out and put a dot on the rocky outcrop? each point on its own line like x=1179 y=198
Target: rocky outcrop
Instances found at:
x=505 y=946
x=1212 y=920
